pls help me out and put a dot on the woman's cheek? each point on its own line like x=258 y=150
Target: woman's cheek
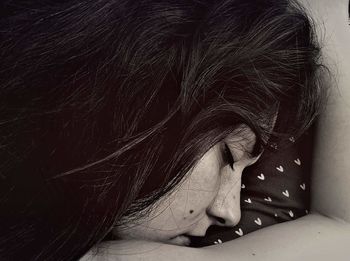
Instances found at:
x=200 y=188
x=189 y=203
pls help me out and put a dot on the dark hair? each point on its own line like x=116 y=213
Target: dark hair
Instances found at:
x=105 y=105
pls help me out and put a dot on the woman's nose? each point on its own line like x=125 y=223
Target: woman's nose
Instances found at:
x=225 y=209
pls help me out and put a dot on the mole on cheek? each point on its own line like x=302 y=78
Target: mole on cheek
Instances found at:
x=191 y=211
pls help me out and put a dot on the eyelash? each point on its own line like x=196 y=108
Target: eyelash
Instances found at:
x=227 y=156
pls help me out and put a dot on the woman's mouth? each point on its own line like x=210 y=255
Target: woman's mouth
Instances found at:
x=181 y=240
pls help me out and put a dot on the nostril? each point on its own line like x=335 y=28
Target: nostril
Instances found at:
x=220 y=220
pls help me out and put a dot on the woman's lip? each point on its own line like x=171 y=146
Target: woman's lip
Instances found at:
x=181 y=240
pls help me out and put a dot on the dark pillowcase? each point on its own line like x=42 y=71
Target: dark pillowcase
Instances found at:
x=274 y=190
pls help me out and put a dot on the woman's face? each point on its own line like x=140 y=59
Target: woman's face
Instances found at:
x=209 y=195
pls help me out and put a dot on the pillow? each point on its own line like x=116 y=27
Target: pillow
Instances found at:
x=274 y=190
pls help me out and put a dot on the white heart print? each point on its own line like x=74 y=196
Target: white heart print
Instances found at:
x=291 y=214
x=239 y=232
x=219 y=241
x=297 y=161
x=268 y=199
x=286 y=193
x=258 y=221
x=261 y=176
x=280 y=169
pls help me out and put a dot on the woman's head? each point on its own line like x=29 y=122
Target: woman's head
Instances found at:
x=111 y=107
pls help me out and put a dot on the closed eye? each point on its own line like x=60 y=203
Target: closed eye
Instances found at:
x=227 y=156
